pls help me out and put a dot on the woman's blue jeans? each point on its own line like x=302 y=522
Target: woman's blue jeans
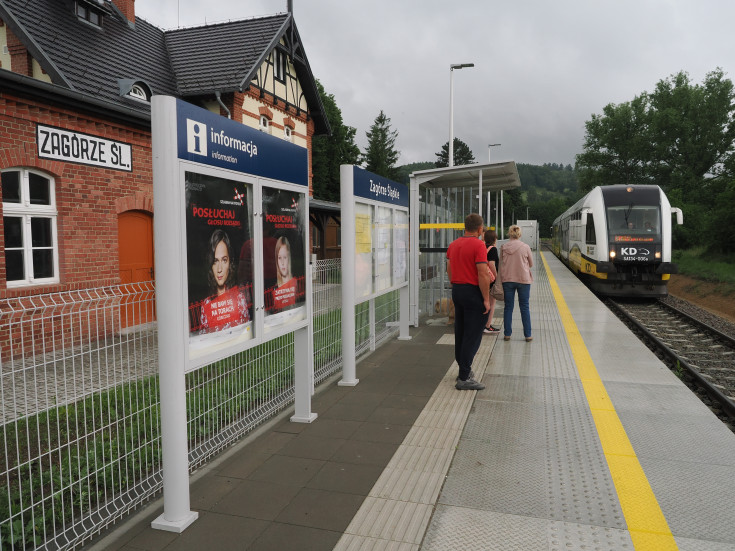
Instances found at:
x=524 y=294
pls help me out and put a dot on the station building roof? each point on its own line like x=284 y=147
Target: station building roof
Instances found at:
x=101 y=62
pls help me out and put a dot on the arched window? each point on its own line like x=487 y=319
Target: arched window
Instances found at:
x=138 y=92
x=29 y=228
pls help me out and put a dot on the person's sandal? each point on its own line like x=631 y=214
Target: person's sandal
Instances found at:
x=506 y=338
x=529 y=339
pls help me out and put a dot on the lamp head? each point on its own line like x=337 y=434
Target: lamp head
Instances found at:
x=460 y=65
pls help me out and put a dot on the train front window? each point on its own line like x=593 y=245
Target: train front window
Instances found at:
x=634 y=223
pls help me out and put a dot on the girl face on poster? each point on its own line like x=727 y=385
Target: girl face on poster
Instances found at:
x=283 y=260
x=221 y=275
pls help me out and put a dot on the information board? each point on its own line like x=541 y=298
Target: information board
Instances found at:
x=374 y=253
x=230 y=202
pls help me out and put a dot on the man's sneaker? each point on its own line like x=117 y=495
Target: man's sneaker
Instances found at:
x=472 y=376
x=490 y=330
x=469 y=384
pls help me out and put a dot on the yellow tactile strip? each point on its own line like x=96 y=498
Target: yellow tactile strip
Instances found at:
x=646 y=523
x=397 y=511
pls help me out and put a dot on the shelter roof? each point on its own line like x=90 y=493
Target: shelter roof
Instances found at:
x=495 y=176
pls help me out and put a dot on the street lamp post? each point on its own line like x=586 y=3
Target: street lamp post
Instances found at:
x=451 y=106
x=490 y=145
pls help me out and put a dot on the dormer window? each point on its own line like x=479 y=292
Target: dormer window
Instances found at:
x=135 y=88
x=138 y=92
x=89 y=14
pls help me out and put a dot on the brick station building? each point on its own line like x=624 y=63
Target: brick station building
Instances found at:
x=76 y=79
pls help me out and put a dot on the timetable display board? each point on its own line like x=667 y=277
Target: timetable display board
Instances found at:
x=380 y=218
x=374 y=254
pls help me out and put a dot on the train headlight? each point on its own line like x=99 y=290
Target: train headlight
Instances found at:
x=612 y=254
x=658 y=255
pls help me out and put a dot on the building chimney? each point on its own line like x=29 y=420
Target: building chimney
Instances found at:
x=289 y=5
x=127 y=8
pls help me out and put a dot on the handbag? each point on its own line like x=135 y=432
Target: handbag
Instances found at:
x=496 y=291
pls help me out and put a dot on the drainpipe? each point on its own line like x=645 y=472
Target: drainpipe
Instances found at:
x=219 y=100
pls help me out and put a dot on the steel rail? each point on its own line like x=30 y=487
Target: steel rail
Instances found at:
x=727 y=405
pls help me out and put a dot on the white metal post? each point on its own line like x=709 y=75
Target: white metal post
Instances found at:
x=489 y=210
x=450 y=160
x=479 y=192
x=413 y=250
x=451 y=107
x=302 y=379
x=404 y=314
x=502 y=216
x=371 y=322
x=172 y=320
x=346 y=177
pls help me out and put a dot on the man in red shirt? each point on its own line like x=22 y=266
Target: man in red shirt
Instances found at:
x=469 y=275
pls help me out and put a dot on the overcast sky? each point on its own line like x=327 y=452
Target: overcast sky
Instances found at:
x=542 y=68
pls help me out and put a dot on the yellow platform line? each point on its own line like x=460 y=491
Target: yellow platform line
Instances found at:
x=646 y=522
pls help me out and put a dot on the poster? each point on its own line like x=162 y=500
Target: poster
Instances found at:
x=383 y=253
x=400 y=268
x=219 y=261
x=363 y=250
x=284 y=256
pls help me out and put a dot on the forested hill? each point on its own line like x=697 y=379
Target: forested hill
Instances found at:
x=547 y=181
x=404 y=172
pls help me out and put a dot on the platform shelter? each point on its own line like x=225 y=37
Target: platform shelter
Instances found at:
x=440 y=199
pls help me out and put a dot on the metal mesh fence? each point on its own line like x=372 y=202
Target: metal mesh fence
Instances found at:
x=80 y=411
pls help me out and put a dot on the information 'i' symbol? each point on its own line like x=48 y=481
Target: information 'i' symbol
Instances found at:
x=197 y=147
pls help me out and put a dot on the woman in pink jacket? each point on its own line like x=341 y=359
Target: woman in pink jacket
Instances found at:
x=515 y=271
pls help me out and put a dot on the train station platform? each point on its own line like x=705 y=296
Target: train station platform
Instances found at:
x=582 y=439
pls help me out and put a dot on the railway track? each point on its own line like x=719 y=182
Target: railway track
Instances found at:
x=700 y=353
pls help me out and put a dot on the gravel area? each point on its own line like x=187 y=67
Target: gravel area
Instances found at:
x=702 y=315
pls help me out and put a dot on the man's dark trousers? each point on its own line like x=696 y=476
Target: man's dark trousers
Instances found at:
x=469 y=321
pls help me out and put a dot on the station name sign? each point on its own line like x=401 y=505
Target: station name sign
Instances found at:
x=371 y=186
x=211 y=139
x=76 y=147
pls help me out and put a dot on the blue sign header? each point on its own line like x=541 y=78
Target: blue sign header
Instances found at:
x=207 y=138
x=371 y=186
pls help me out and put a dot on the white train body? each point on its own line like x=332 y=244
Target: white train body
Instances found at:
x=618 y=238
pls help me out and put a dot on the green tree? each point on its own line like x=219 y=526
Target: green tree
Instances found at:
x=381 y=155
x=462 y=154
x=616 y=146
x=329 y=152
x=692 y=132
x=681 y=136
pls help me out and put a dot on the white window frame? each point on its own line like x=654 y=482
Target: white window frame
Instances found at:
x=26 y=211
x=265 y=124
x=138 y=92
x=288 y=133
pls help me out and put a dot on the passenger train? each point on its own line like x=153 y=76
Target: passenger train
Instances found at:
x=618 y=240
